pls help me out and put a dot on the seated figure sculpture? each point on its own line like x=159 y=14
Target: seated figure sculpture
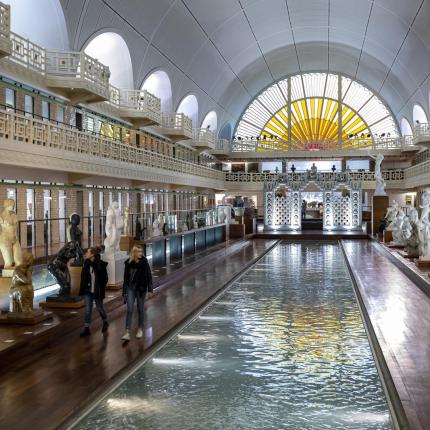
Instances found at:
x=58 y=267
x=9 y=244
x=158 y=222
x=396 y=226
x=21 y=292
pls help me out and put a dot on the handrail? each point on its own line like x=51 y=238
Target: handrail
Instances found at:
x=26 y=130
x=389 y=175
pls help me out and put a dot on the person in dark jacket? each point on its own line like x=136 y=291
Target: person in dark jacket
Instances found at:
x=94 y=278
x=137 y=282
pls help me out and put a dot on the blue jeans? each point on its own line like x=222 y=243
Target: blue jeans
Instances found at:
x=88 y=299
x=133 y=295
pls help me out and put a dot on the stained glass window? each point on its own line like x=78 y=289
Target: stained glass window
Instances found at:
x=315 y=111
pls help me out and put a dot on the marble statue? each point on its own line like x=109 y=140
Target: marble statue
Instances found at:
x=380 y=182
x=9 y=243
x=158 y=222
x=424 y=225
x=392 y=212
x=114 y=225
x=58 y=267
x=195 y=222
x=21 y=292
x=410 y=234
x=222 y=216
x=396 y=226
x=126 y=216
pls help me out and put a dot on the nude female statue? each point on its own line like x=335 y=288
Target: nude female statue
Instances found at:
x=9 y=244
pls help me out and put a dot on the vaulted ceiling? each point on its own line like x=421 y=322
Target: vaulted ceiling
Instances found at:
x=227 y=51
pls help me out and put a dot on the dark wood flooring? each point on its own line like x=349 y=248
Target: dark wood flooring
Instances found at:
x=42 y=390
x=399 y=312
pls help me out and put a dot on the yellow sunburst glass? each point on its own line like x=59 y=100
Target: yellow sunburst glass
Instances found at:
x=314 y=125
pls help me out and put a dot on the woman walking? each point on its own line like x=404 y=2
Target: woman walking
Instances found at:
x=137 y=282
x=94 y=278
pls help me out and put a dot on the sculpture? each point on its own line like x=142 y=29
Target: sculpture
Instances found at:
x=156 y=225
x=380 y=182
x=139 y=231
x=21 y=292
x=396 y=226
x=392 y=212
x=410 y=234
x=195 y=222
x=114 y=225
x=74 y=234
x=58 y=266
x=9 y=244
x=423 y=224
x=126 y=215
x=222 y=216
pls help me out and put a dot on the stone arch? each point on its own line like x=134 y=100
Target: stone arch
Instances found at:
x=190 y=107
x=159 y=84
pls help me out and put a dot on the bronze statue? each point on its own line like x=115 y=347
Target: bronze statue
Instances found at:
x=74 y=234
x=58 y=266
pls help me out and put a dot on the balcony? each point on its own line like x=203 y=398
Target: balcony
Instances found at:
x=176 y=126
x=5 y=44
x=203 y=139
x=222 y=148
x=422 y=135
x=77 y=76
x=139 y=107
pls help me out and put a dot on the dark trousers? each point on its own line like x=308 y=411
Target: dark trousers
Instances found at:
x=89 y=299
x=132 y=296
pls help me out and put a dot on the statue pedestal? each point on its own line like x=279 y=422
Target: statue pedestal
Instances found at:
x=115 y=269
x=37 y=316
x=423 y=261
x=396 y=245
x=60 y=302
x=7 y=273
x=379 y=209
x=75 y=279
x=405 y=254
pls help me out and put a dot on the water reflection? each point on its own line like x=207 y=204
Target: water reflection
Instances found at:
x=284 y=348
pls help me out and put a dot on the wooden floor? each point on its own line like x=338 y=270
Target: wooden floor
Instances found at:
x=400 y=315
x=43 y=390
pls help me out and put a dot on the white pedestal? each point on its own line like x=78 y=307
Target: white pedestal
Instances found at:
x=7 y=273
x=115 y=268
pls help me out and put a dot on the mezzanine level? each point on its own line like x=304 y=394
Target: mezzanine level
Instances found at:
x=269 y=149
x=33 y=143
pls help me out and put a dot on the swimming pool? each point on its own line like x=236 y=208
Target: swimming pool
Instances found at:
x=283 y=348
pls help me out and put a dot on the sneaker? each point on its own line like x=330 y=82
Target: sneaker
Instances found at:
x=86 y=332
x=126 y=336
x=105 y=326
x=139 y=333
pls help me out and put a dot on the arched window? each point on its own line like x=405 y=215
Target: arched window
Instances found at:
x=405 y=126
x=158 y=83
x=419 y=115
x=190 y=107
x=111 y=50
x=323 y=108
x=225 y=132
x=210 y=121
x=41 y=21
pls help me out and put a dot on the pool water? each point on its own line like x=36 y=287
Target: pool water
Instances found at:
x=283 y=348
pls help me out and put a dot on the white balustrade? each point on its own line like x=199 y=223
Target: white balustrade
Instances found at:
x=422 y=134
x=27 y=54
x=23 y=130
x=177 y=126
x=389 y=175
x=203 y=138
x=77 y=70
x=5 y=45
x=140 y=107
